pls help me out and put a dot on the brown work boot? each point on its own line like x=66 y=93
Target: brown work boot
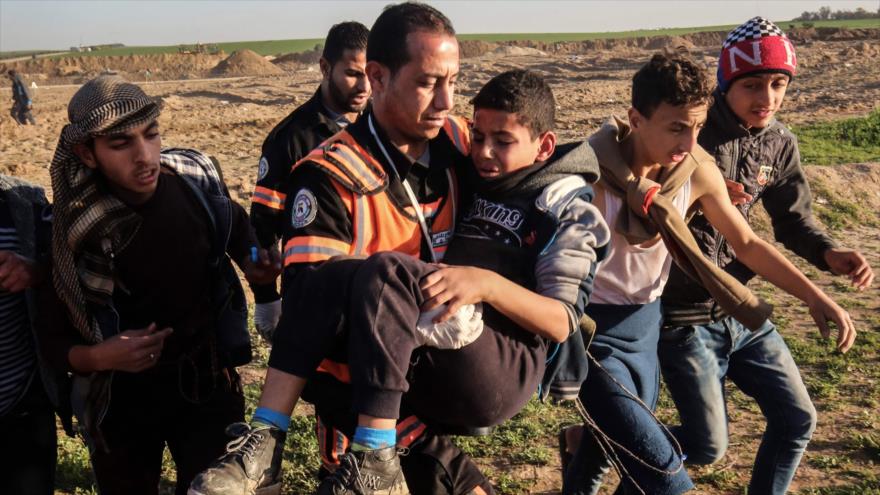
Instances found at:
x=369 y=472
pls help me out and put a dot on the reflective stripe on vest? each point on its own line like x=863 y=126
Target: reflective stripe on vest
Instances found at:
x=378 y=224
x=310 y=249
x=269 y=197
x=459 y=131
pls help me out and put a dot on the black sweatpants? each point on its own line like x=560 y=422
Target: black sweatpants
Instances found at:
x=30 y=452
x=314 y=326
x=481 y=384
x=147 y=411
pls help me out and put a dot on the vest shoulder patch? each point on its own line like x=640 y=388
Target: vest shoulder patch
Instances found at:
x=304 y=210
x=263 y=169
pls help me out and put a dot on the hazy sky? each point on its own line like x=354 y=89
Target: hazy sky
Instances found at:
x=39 y=24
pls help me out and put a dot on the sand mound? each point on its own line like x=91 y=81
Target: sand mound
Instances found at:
x=475 y=48
x=864 y=49
x=293 y=60
x=518 y=51
x=133 y=67
x=668 y=43
x=245 y=63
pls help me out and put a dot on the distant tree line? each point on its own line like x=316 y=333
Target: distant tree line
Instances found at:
x=825 y=14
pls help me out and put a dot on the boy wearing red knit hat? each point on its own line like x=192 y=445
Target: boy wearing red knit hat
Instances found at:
x=700 y=346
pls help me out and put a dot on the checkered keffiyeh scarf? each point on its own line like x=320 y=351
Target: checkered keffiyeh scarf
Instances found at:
x=90 y=225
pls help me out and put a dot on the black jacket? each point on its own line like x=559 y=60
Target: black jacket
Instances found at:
x=768 y=164
x=300 y=132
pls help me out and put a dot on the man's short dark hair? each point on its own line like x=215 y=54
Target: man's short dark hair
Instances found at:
x=387 y=44
x=675 y=79
x=524 y=93
x=349 y=35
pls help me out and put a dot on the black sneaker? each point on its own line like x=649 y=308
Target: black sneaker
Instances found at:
x=369 y=472
x=251 y=465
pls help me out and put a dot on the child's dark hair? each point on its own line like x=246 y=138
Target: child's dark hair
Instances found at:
x=349 y=35
x=524 y=93
x=672 y=78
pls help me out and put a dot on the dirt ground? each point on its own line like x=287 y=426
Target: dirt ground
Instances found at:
x=229 y=118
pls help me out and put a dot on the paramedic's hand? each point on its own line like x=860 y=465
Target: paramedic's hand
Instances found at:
x=18 y=273
x=265 y=269
x=737 y=192
x=851 y=263
x=266 y=316
x=131 y=350
x=823 y=310
x=455 y=286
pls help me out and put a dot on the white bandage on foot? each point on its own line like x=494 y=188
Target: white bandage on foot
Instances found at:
x=458 y=331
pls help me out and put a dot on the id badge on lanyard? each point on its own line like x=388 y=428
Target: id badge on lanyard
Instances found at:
x=426 y=233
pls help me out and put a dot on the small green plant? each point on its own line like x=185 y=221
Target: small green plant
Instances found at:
x=867 y=441
x=827 y=462
x=716 y=476
x=840 y=141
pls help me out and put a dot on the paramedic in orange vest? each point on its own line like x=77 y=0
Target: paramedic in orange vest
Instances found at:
x=352 y=197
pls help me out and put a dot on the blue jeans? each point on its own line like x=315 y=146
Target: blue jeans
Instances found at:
x=625 y=346
x=695 y=360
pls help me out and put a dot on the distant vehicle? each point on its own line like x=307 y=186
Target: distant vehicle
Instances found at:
x=197 y=49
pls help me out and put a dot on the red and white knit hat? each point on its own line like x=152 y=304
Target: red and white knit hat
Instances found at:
x=756 y=46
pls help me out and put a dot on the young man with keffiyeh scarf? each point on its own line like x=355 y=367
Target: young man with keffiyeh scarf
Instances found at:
x=151 y=318
x=654 y=174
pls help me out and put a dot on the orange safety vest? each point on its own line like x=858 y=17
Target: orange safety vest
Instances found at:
x=378 y=222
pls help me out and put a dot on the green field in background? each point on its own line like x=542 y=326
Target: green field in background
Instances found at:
x=275 y=47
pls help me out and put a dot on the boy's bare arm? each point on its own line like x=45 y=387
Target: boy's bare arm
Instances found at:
x=710 y=194
x=459 y=285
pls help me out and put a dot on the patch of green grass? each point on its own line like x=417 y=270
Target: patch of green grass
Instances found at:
x=274 y=47
x=522 y=437
x=868 y=441
x=505 y=483
x=718 y=477
x=838 y=212
x=22 y=53
x=301 y=458
x=840 y=141
x=865 y=484
x=263 y=47
x=828 y=462
x=73 y=473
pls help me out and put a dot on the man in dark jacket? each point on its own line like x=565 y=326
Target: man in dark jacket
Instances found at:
x=342 y=95
x=700 y=345
x=28 y=390
x=318 y=226
x=147 y=313
x=21 y=100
